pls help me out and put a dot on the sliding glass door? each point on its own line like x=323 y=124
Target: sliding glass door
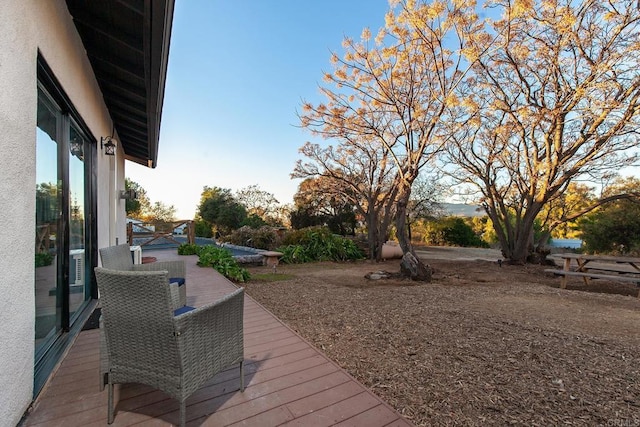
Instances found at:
x=48 y=221
x=64 y=229
x=78 y=271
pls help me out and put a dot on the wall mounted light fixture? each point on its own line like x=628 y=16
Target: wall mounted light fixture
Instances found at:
x=76 y=148
x=109 y=146
x=130 y=194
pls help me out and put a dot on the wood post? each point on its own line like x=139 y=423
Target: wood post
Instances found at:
x=191 y=232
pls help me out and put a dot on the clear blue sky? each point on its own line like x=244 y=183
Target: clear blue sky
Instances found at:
x=238 y=71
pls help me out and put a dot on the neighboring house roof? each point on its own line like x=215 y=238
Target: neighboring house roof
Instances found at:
x=127 y=42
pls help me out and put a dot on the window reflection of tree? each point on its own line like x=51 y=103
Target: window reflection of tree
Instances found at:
x=46 y=215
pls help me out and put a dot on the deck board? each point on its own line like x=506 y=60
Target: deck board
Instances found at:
x=287 y=380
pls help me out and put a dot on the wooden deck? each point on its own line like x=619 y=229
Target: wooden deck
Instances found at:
x=287 y=380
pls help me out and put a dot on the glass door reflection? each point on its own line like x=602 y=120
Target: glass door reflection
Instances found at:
x=47 y=295
x=77 y=226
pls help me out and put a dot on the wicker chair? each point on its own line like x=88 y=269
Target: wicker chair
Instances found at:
x=175 y=351
x=119 y=258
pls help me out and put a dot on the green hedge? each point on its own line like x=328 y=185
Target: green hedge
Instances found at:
x=317 y=244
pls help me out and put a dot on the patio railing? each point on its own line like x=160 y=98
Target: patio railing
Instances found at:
x=149 y=232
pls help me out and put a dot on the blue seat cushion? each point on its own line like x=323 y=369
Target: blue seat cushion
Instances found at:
x=178 y=280
x=183 y=310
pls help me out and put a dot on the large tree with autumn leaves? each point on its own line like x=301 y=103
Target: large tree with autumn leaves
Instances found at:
x=557 y=99
x=388 y=111
x=524 y=104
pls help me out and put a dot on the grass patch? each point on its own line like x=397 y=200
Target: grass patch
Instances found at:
x=271 y=277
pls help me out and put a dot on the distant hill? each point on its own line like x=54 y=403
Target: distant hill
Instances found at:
x=460 y=209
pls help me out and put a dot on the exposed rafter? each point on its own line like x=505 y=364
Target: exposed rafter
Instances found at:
x=127 y=42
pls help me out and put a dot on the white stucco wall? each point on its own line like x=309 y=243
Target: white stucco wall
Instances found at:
x=17 y=198
x=112 y=209
x=27 y=26
x=121 y=204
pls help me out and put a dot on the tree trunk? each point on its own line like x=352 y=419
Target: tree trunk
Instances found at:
x=376 y=230
x=542 y=241
x=372 y=240
x=401 y=228
x=517 y=251
x=541 y=251
x=517 y=242
x=373 y=235
x=411 y=266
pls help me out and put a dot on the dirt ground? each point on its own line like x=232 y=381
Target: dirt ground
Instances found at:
x=483 y=344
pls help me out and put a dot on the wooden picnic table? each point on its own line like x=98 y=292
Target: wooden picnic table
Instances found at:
x=615 y=268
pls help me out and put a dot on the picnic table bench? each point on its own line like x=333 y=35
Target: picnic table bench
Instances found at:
x=614 y=268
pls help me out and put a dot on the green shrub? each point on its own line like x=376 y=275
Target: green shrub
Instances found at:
x=612 y=229
x=260 y=238
x=317 y=244
x=202 y=228
x=295 y=254
x=188 y=249
x=451 y=231
x=222 y=260
x=43 y=259
x=254 y=221
x=295 y=237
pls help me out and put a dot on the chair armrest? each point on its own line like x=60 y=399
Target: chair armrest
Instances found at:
x=178 y=298
x=175 y=268
x=210 y=337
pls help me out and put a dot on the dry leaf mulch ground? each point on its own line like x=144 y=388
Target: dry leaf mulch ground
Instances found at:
x=480 y=345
